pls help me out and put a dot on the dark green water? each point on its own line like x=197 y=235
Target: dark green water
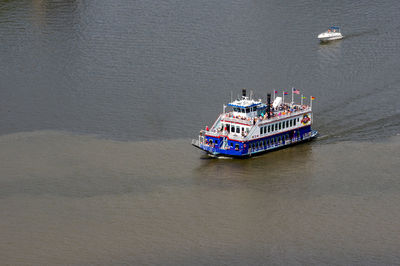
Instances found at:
x=99 y=101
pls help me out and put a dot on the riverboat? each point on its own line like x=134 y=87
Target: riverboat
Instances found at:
x=251 y=127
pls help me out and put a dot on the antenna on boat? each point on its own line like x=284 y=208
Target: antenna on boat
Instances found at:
x=268 y=105
x=251 y=94
x=244 y=93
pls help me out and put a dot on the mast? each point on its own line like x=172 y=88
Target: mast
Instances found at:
x=292 y=95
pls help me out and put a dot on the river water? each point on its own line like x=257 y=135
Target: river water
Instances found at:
x=99 y=101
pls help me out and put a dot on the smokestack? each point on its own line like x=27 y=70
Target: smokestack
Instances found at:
x=244 y=92
x=269 y=105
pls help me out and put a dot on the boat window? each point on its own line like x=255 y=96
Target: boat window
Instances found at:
x=242 y=110
x=283 y=124
x=265 y=129
x=242 y=129
x=287 y=123
x=280 y=125
x=269 y=129
x=237 y=129
x=261 y=130
x=233 y=129
x=291 y=122
x=236 y=146
x=247 y=110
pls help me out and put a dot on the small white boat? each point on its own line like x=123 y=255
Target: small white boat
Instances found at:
x=333 y=33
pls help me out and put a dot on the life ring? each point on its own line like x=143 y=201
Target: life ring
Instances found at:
x=305 y=119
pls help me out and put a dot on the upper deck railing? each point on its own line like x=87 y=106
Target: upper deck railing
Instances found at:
x=261 y=120
x=276 y=115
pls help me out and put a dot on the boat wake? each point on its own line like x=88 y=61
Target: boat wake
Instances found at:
x=362 y=33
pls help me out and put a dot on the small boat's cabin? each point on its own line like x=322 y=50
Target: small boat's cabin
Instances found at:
x=334 y=29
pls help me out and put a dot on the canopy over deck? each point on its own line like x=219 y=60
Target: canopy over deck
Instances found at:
x=244 y=103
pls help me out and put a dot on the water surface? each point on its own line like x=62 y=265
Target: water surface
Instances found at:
x=99 y=101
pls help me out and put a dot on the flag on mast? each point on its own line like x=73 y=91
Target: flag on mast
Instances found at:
x=283 y=96
x=294 y=90
x=311 y=100
x=302 y=98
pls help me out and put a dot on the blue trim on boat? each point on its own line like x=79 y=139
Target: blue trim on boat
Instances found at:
x=241 y=106
x=253 y=147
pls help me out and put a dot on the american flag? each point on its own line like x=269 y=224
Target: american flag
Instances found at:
x=296 y=91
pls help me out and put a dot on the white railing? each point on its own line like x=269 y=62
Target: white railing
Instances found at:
x=260 y=122
x=229 y=118
x=237 y=120
x=213 y=128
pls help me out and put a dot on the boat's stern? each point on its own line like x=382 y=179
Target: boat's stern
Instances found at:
x=220 y=146
x=205 y=147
